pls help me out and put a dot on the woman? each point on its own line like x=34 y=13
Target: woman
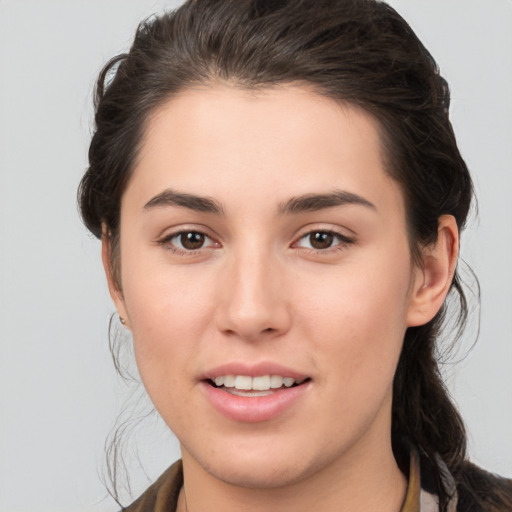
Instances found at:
x=279 y=196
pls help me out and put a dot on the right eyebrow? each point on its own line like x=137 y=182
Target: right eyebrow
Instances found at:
x=317 y=202
x=171 y=197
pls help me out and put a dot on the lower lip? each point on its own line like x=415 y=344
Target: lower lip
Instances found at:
x=253 y=409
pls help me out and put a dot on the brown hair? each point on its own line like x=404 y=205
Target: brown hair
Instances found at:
x=358 y=51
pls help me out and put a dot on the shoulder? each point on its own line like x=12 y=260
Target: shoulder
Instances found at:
x=481 y=491
x=161 y=496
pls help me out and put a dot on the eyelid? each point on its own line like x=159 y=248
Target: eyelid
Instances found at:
x=165 y=240
x=342 y=239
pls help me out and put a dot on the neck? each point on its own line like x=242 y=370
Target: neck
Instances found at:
x=356 y=482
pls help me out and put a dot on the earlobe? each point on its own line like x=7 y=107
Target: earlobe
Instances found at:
x=113 y=286
x=433 y=280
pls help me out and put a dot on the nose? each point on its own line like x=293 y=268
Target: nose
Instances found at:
x=253 y=302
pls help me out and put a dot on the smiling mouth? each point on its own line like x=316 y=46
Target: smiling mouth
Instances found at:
x=246 y=386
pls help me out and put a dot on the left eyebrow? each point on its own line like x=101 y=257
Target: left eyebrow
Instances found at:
x=192 y=202
x=316 y=202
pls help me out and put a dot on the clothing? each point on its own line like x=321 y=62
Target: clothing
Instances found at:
x=423 y=486
x=421 y=494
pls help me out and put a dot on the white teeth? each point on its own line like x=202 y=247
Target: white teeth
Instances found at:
x=260 y=383
x=243 y=382
x=229 y=381
x=276 y=381
x=288 y=381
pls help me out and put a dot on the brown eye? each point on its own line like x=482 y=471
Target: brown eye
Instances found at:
x=192 y=240
x=321 y=239
x=183 y=242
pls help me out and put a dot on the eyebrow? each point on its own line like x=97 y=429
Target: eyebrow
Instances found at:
x=316 y=202
x=173 y=198
x=300 y=204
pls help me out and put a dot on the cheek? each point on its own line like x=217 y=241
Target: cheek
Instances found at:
x=358 y=319
x=168 y=314
x=161 y=297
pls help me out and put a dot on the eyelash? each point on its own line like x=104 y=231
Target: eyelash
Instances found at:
x=342 y=242
x=167 y=242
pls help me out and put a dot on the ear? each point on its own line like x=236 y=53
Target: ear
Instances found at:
x=113 y=286
x=433 y=280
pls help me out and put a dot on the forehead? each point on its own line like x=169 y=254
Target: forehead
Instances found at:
x=261 y=145
x=275 y=115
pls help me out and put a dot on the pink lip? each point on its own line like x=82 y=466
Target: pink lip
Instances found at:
x=253 y=409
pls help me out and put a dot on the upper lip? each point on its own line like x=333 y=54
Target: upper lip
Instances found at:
x=253 y=370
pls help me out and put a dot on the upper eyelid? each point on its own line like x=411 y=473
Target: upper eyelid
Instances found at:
x=338 y=231
x=175 y=234
x=341 y=237
x=332 y=231
x=166 y=238
x=184 y=231
x=170 y=232
x=165 y=241
x=343 y=241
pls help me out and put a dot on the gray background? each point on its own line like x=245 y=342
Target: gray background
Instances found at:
x=59 y=395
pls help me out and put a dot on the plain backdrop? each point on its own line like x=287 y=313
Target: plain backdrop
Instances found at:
x=59 y=395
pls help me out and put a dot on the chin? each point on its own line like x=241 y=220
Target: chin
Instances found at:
x=270 y=474
x=259 y=465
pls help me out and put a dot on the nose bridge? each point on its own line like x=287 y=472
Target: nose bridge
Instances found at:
x=253 y=302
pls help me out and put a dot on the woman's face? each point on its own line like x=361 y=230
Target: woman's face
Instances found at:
x=263 y=244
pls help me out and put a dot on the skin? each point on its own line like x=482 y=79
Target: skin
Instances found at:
x=258 y=291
